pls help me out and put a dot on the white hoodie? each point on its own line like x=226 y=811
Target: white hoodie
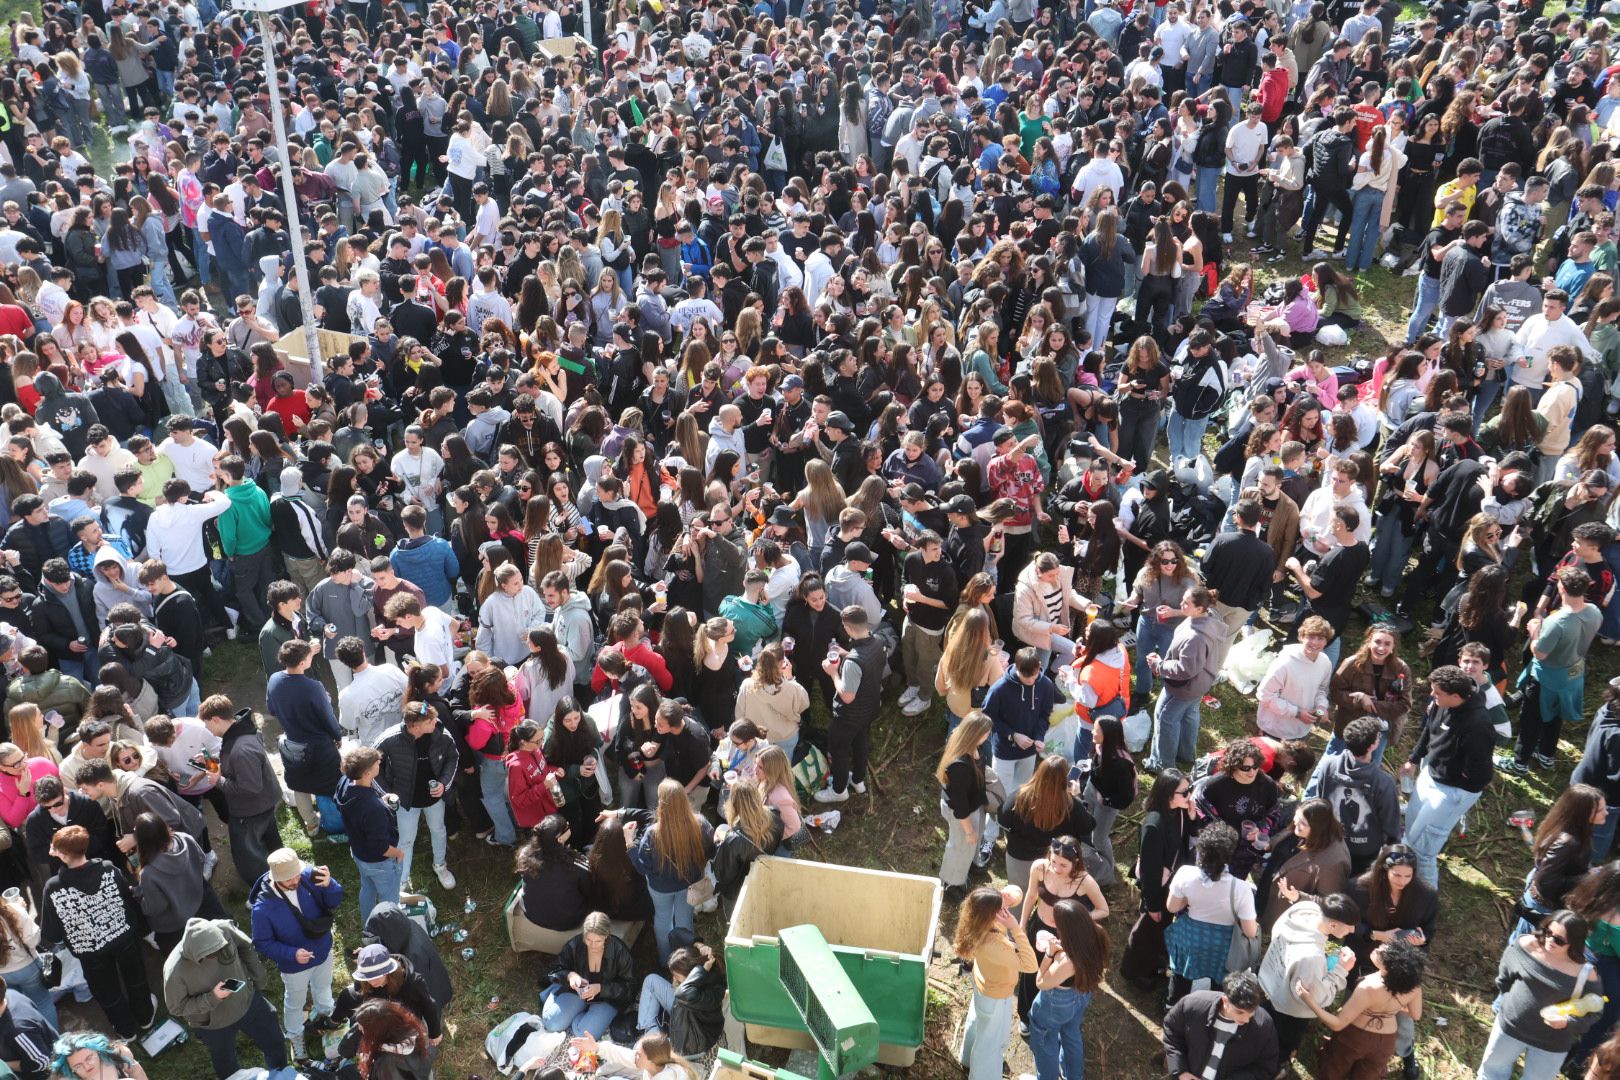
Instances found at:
x=1292 y=683
x=1298 y=954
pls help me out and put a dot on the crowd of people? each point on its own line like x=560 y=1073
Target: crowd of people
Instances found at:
x=700 y=377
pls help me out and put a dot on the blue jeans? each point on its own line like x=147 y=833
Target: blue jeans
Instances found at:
x=492 y=791
x=1502 y=1052
x=30 y=983
x=379 y=884
x=1186 y=436
x=1054 y=1033
x=199 y=248
x=670 y=912
x=1485 y=395
x=1423 y=306
x=409 y=820
x=1198 y=85
x=1175 y=730
x=1431 y=814
x=985 y=1036
x=565 y=1011
x=1390 y=549
x=1368 y=205
x=1208 y=182
x=1151 y=636
x=1235 y=93
x=657 y=1002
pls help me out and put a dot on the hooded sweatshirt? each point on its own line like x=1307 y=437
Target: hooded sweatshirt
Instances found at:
x=576 y=635
x=389 y=926
x=210 y=952
x=68 y=414
x=245 y=529
x=90 y=909
x=172 y=885
x=1193 y=659
x=107 y=594
x=1364 y=801
x=1015 y=708
x=504 y=621
x=1297 y=954
x=1290 y=684
x=371 y=826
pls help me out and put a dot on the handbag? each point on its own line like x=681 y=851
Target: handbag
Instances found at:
x=1244 y=952
x=995 y=793
x=701 y=891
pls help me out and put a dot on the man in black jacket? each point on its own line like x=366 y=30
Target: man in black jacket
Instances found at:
x=55 y=808
x=1330 y=167
x=1240 y=567
x=65 y=620
x=1454 y=751
x=1231 y=1024
x=1465 y=274
x=35 y=535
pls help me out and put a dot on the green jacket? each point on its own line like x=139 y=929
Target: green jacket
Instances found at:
x=754 y=622
x=51 y=689
x=210 y=952
x=244 y=529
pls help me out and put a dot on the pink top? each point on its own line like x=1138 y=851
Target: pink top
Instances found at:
x=14 y=805
x=786 y=805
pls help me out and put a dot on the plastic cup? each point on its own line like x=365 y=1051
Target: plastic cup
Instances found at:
x=730 y=777
x=787 y=645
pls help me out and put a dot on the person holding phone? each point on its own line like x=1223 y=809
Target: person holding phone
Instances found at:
x=212 y=982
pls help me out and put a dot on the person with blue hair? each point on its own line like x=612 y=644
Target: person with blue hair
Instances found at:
x=89 y=1055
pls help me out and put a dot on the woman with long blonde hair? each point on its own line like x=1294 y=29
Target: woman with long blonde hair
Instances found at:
x=752 y=829
x=821 y=499
x=672 y=849
x=963 y=799
x=615 y=248
x=28 y=732
x=968 y=664
x=774 y=767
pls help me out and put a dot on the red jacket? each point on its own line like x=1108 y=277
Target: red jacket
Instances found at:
x=480 y=731
x=1273 y=95
x=644 y=655
x=531 y=799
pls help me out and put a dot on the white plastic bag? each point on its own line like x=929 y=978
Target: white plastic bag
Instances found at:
x=1332 y=335
x=1138 y=730
x=1247 y=661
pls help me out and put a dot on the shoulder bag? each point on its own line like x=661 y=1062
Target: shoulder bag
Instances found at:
x=1244 y=952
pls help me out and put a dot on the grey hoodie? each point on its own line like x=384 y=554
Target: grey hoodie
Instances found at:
x=483 y=430
x=571 y=623
x=1193 y=659
x=1364 y=800
x=172 y=886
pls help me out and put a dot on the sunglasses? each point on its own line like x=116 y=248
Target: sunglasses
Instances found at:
x=1182 y=792
x=1247 y=766
x=1556 y=939
x=1167 y=562
x=1066 y=849
x=1401 y=858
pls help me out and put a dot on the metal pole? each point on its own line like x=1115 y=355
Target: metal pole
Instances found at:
x=289 y=195
x=585 y=23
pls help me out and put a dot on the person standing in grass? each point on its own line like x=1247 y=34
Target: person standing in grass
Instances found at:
x=990 y=936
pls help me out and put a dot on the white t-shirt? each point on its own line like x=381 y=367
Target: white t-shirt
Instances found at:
x=1173 y=36
x=1212 y=901
x=193 y=463
x=371 y=703
x=1248 y=148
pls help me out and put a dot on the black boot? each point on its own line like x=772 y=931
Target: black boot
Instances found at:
x=1410 y=1069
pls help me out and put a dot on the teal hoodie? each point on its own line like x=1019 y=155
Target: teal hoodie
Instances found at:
x=754 y=622
x=244 y=529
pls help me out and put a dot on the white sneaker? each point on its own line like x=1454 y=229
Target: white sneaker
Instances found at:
x=708 y=905
x=827 y=794
x=210 y=860
x=1226 y=238
x=908 y=697
x=230 y=635
x=446 y=879
x=915 y=707
x=858 y=787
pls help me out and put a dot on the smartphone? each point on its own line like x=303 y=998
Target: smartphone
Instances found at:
x=235 y=986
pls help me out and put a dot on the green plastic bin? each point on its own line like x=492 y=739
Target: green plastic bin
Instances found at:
x=880 y=926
